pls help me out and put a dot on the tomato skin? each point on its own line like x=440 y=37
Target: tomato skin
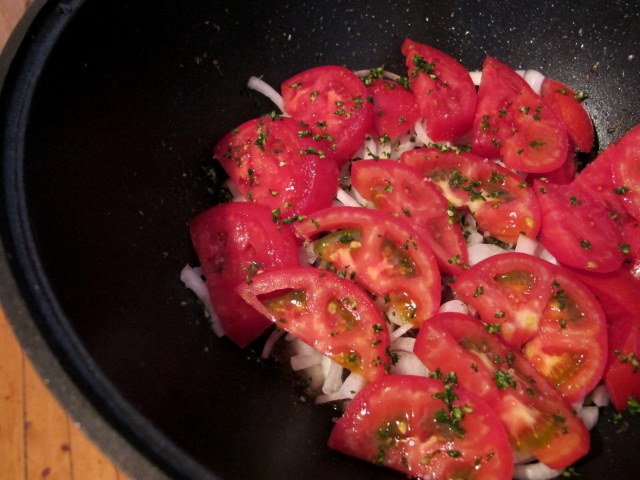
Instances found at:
x=625 y=171
x=577 y=229
x=576 y=119
x=507 y=207
x=395 y=108
x=399 y=431
x=366 y=258
x=397 y=189
x=509 y=384
x=234 y=241
x=266 y=161
x=319 y=318
x=448 y=101
x=330 y=101
x=563 y=175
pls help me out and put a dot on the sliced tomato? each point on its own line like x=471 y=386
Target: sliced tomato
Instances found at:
x=501 y=201
x=397 y=189
x=539 y=143
x=564 y=101
x=577 y=228
x=395 y=107
x=563 y=175
x=330 y=102
x=492 y=123
x=510 y=290
x=625 y=171
x=234 y=241
x=443 y=87
x=409 y=424
x=331 y=314
x=538 y=420
x=270 y=164
x=382 y=253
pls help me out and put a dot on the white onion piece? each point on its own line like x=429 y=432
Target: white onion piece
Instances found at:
x=521 y=72
x=403 y=344
x=409 y=364
x=385 y=74
x=600 y=396
x=398 y=332
x=526 y=245
x=302 y=361
x=476 y=77
x=384 y=151
x=546 y=255
x=534 y=471
x=346 y=199
x=192 y=279
x=471 y=226
x=267 y=90
x=333 y=380
x=351 y=385
x=454 y=306
x=394 y=317
x=404 y=144
x=577 y=405
x=361 y=73
x=271 y=341
x=589 y=416
x=308 y=254
x=370 y=149
x=534 y=79
x=481 y=251
x=235 y=193
x=360 y=199
x=421 y=133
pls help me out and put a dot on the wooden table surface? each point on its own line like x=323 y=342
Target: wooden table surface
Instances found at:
x=38 y=440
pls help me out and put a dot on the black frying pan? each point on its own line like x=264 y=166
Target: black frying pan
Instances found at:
x=109 y=112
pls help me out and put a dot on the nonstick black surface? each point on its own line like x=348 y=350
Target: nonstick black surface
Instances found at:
x=108 y=115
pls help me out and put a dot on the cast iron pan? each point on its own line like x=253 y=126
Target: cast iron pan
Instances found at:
x=109 y=112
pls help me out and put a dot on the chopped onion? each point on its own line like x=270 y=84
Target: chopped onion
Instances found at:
x=534 y=79
x=534 y=471
x=589 y=416
x=404 y=144
x=481 y=251
x=346 y=199
x=271 y=341
x=476 y=77
x=521 y=72
x=409 y=364
x=192 y=279
x=474 y=236
x=421 y=133
x=351 y=385
x=526 y=245
x=333 y=379
x=455 y=306
x=403 y=344
x=267 y=90
x=302 y=361
x=363 y=202
x=398 y=332
x=385 y=74
x=600 y=396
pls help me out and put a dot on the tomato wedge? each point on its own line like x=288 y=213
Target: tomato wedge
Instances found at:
x=625 y=171
x=397 y=189
x=541 y=307
x=424 y=429
x=331 y=314
x=443 y=87
x=269 y=164
x=538 y=420
x=564 y=101
x=577 y=229
x=382 y=253
x=234 y=241
x=563 y=175
x=395 y=107
x=501 y=201
x=330 y=102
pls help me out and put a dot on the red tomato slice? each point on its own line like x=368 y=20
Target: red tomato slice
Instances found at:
x=500 y=200
x=234 y=241
x=443 y=87
x=625 y=171
x=577 y=229
x=331 y=102
x=269 y=164
x=332 y=315
x=380 y=252
x=404 y=422
x=492 y=124
x=395 y=108
x=397 y=189
x=576 y=119
x=538 y=420
x=563 y=175
x=539 y=142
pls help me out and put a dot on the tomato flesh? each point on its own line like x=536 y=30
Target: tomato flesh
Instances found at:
x=399 y=422
x=395 y=108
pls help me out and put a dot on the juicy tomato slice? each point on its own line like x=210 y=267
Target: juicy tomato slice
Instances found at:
x=380 y=252
x=331 y=314
x=395 y=107
x=577 y=229
x=492 y=123
x=269 y=164
x=576 y=119
x=563 y=175
x=443 y=87
x=625 y=171
x=331 y=104
x=538 y=420
x=539 y=143
x=510 y=290
x=501 y=201
x=401 y=422
x=398 y=190
x=234 y=241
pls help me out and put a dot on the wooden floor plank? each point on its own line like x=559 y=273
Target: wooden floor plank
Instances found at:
x=11 y=404
x=87 y=461
x=47 y=432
